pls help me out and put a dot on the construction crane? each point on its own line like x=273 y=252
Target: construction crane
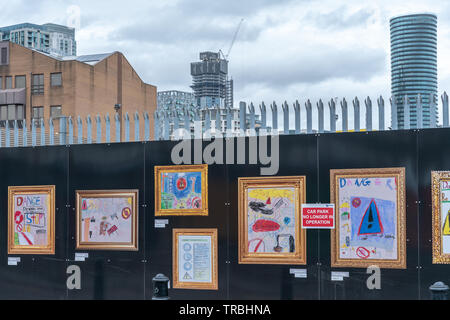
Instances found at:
x=232 y=42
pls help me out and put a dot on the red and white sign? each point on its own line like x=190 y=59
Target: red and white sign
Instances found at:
x=318 y=216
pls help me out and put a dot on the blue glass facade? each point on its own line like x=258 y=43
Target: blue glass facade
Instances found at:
x=414 y=65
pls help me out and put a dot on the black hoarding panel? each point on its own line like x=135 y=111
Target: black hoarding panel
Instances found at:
x=108 y=274
x=371 y=150
x=35 y=276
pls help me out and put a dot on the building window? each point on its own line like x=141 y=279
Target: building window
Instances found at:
x=38 y=113
x=56 y=79
x=20 y=82
x=4 y=56
x=38 y=84
x=11 y=113
x=55 y=111
x=8 y=82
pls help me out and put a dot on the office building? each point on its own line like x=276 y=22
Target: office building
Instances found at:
x=50 y=38
x=414 y=65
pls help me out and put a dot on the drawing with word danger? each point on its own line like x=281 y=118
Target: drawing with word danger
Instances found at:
x=31 y=219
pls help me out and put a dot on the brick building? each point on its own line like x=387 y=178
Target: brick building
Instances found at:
x=36 y=86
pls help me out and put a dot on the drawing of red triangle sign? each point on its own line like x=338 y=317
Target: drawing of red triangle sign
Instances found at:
x=371 y=221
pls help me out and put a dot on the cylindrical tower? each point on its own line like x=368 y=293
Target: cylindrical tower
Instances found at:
x=414 y=65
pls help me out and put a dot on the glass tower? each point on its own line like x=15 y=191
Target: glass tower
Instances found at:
x=414 y=66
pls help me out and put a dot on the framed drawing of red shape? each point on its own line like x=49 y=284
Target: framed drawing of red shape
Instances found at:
x=31 y=220
x=107 y=220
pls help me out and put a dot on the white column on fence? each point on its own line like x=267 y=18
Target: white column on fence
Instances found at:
x=187 y=121
x=263 y=109
x=344 y=107
x=80 y=130
x=218 y=121
x=176 y=122
x=394 y=113
x=332 y=107
x=433 y=111
x=228 y=119
x=285 y=107
x=274 y=108
x=89 y=129
x=16 y=134
x=308 y=107
x=380 y=102
x=419 y=111
x=107 y=128
x=320 y=115
x=52 y=131
x=62 y=130
x=42 y=132
x=118 y=124
x=368 y=103
x=251 y=108
x=242 y=116
x=33 y=133
x=406 y=113
x=156 y=120
x=356 y=114
x=445 y=119
x=298 y=123
x=98 y=124
x=166 y=132
x=7 y=135
x=70 y=131
x=136 y=127
x=25 y=133
x=127 y=127
x=146 y=126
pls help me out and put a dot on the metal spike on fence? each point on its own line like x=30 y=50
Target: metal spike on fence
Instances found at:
x=344 y=107
x=175 y=121
x=274 y=108
x=52 y=131
x=433 y=111
x=118 y=124
x=166 y=131
x=308 y=107
x=298 y=123
x=136 y=127
x=356 y=114
x=7 y=135
x=320 y=115
x=156 y=120
x=368 y=103
x=394 y=113
x=80 y=130
x=263 y=109
x=218 y=121
x=229 y=117
x=89 y=129
x=107 y=129
x=445 y=119
x=127 y=127
x=42 y=132
x=62 y=130
x=33 y=133
x=242 y=116
x=207 y=121
x=380 y=102
x=406 y=113
x=285 y=107
x=70 y=130
x=419 y=111
x=98 y=124
x=25 y=133
x=187 y=121
x=332 y=107
x=146 y=126
x=16 y=134
x=252 y=116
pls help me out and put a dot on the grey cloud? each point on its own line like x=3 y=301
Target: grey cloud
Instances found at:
x=339 y=19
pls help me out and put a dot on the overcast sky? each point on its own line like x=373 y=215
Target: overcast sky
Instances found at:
x=286 y=49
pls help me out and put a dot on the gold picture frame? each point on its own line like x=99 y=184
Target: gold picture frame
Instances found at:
x=369 y=202
x=123 y=215
x=186 y=279
x=181 y=184
x=440 y=229
x=26 y=208
x=295 y=245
